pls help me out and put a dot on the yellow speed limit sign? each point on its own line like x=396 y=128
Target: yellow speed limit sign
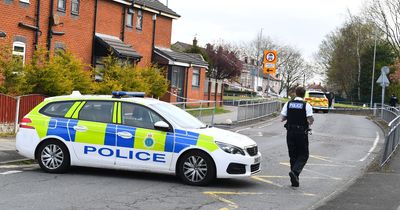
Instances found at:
x=269 y=61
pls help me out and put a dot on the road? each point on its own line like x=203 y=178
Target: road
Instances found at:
x=341 y=147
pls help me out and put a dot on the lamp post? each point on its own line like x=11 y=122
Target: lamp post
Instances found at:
x=373 y=72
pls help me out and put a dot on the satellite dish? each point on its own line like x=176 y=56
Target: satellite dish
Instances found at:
x=56 y=19
x=385 y=70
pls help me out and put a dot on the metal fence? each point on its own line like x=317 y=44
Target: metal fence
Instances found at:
x=202 y=110
x=391 y=115
x=238 y=111
x=257 y=109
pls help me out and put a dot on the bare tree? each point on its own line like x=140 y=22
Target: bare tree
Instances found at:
x=386 y=16
x=294 y=69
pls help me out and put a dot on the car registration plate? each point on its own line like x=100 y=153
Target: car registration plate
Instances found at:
x=257 y=159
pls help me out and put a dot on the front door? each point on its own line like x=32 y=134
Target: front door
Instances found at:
x=139 y=144
x=178 y=80
x=94 y=140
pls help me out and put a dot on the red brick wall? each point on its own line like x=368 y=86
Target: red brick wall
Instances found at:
x=163 y=31
x=11 y=14
x=78 y=30
x=196 y=93
x=109 y=18
x=141 y=40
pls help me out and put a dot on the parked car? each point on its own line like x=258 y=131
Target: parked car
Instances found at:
x=317 y=100
x=127 y=131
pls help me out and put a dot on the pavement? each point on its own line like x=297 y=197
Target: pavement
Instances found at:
x=376 y=189
x=7 y=150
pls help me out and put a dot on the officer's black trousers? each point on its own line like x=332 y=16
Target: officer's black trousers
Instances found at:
x=297 y=142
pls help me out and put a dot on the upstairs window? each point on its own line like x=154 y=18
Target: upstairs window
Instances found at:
x=19 y=50
x=129 y=17
x=61 y=6
x=75 y=7
x=139 y=20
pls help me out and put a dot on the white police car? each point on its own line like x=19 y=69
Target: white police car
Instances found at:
x=132 y=133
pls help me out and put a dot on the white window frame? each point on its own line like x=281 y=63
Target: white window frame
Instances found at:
x=19 y=44
x=196 y=77
x=139 y=20
x=24 y=1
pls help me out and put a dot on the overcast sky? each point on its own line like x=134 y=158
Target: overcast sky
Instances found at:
x=303 y=24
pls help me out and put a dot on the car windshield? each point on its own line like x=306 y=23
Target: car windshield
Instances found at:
x=179 y=116
x=317 y=95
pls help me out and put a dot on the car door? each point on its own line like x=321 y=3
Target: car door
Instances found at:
x=94 y=133
x=139 y=144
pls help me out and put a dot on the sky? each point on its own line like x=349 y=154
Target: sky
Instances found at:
x=302 y=24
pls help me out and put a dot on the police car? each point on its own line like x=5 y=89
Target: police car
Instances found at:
x=317 y=100
x=128 y=131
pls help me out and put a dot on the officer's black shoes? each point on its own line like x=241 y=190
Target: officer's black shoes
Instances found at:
x=294 y=179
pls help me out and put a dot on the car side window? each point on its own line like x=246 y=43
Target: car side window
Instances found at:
x=138 y=116
x=97 y=111
x=57 y=109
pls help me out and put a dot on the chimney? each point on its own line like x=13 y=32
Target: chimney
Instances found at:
x=194 y=42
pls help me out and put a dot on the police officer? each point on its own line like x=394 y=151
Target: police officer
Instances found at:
x=299 y=117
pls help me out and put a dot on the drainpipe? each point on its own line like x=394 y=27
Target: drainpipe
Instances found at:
x=94 y=34
x=49 y=30
x=123 y=22
x=37 y=24
x=154 y=37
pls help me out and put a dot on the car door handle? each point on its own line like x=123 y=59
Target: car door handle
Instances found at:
x=80 y=128
x=125 y=135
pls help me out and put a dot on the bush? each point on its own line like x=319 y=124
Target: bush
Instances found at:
x=11 y=72
x=58 y=75
x=117 y=75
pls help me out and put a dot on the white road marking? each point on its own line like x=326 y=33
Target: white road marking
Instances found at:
x=265 y=125
x=240 y=130
x=10 y=172
x=372 y=148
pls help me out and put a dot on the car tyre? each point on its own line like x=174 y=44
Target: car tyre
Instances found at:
x=53 y=157
x=196 y=168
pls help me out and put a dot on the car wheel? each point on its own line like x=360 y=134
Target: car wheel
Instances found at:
x=196 y=168
x=53 y=157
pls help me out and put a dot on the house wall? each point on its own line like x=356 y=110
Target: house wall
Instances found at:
x=78 y=29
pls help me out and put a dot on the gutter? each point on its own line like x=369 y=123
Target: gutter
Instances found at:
x=49 y=30
x=37 y=24
x=94 y=33
x=154 y=37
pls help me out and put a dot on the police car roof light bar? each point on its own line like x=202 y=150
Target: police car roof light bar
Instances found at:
x=123 y=94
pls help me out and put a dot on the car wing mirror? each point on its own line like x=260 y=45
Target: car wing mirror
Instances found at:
x=161 y=125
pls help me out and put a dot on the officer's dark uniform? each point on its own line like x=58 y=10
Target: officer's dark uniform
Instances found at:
x=297 y=135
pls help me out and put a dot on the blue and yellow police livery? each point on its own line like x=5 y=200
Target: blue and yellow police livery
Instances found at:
x=128 y=131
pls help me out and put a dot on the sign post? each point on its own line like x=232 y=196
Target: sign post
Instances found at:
x=269 y=64
x=384 y=82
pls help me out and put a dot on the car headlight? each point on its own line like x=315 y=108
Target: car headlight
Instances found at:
x=228 y=148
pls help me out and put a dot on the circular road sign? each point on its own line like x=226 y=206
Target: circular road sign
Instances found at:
x=385 y=70
x=270 y=57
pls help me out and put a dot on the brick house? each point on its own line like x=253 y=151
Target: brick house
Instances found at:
x=212 y=90
x=133 y=30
